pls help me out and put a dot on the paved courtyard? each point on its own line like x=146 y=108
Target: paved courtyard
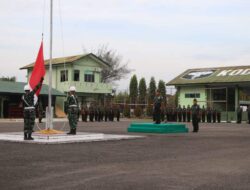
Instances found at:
x=217 y=157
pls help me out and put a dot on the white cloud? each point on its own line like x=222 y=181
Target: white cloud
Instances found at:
x=156 y=54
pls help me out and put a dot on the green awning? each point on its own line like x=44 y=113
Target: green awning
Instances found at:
x=17 y=88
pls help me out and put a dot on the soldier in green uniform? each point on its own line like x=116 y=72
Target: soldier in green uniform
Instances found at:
x=209 y=115
x=203 y=114
x=188 y=113
x=184 y=113
x=214 y=115
x=195 y=116
x=218 y=115
x=73 y=109
x=29 y=113
x=91 y=113
x=179 y=113
x=118 y=113
x=157 y=107
x=248 y=113
x=106 y=113
x=239 y=115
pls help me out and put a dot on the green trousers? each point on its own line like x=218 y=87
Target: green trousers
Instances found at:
x=73 y=117
x=29 y=120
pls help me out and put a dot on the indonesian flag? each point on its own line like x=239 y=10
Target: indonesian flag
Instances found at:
x=37 y=73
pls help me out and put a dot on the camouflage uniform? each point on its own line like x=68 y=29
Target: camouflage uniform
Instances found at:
x=179 y=113
x=203 y=114
x=117 y=113
x=184 y=114
x=209 y=115
x=239 y=115
x=29 y=113
x=157 y=109
x=73 y=110
x=188 y=113
x=195 y=117
x=91 y=113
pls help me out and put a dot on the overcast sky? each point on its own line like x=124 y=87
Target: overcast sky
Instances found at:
x=159 y=38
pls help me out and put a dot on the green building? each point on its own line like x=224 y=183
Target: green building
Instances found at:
x=222 y=88
x=82 y=71
x=11 y=98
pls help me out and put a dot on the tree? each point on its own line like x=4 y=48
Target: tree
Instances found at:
x=117 y=70
x=126 y=111
x=152 y=89
x=121 y=97
x=138 y=111
x=162 y=89
x=133 y=89
x=142 y=91
x=12 y=79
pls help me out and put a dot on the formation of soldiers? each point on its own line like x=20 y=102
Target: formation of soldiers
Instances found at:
x=100 y=113
x=184 y=114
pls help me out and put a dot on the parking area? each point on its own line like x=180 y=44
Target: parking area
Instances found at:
x=217 y=157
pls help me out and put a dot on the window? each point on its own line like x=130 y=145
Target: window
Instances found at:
x=76 y=75
x=64 y=75
x=192 y=95
x=219 y=94
x=89 y=77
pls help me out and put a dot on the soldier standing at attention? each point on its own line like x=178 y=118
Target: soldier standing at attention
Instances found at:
x=96 y=113
x=157 y=107
x=106 y=113
x=101 y=112
x=184 y=113
x=73 y=110
x=248 y=113
x=118 y=112
x=91 y=113
x=84 y=112
x=209 y=113
x=29 y=110
x=218 y=115
x=195 y=116
x=239 y=114
x=203 y=114
x=179 y=113
x=111 y=113
x=188 y=113
x=214 y=115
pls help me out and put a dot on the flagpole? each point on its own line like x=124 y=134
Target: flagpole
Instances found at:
x=50 y=126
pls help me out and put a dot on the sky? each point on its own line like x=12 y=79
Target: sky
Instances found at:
x=160 y=38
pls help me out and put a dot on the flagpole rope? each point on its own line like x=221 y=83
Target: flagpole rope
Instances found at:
x=43 y=17
x=62 y=39
x=62 y=36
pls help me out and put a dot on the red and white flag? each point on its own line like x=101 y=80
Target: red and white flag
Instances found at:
x=37 y=73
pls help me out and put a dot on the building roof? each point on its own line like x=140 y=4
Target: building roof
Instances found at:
x=69 y=60
x=232 y=74
x=7 y=87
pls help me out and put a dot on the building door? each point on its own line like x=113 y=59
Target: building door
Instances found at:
x=5 y=108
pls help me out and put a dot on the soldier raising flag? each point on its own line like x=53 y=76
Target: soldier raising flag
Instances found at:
x=32 y=90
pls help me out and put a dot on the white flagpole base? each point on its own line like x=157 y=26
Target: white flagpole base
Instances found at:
x=49 y=118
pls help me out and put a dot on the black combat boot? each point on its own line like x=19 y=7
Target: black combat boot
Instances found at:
x=70 y=132
x=74 y=132
x=29 y=137
x=25 y=136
